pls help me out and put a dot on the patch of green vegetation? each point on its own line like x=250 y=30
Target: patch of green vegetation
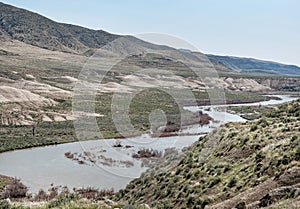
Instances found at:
x=4 y=181
x=149 y=100
x=47 y=133
x=231 y=160
x=255 y=112
x=244 y=97
x=146 y=101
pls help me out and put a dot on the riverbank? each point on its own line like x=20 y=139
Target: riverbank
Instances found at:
x=239 y=165
x=230 y=102
x=256 y=166
x=53 y=167
x=60 y=132
x=4 y=181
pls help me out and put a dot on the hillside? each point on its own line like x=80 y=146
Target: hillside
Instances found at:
x=34 y=29
x=250 y=65
x=37 y=78
x=248 y=165
x=34 y=61
x=18 y=24
x=243 y=165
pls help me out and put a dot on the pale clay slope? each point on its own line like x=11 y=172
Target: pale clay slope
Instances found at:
x=28 y=51
x=11 y=95
x=22 y=107
x=30 y=91
x=129 y=81
x=147 y=81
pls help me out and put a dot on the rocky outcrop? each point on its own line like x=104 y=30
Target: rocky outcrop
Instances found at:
x=280 y=83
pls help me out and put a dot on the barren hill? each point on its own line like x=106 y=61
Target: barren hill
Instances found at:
x=255 y=66
x=34 y=29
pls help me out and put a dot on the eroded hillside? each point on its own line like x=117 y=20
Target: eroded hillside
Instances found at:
x=243 y=165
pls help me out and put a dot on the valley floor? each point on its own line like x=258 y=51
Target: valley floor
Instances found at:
x=244 y=165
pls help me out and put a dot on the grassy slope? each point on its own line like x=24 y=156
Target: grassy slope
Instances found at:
x=245 y=156
x=45 y=65
x=54 y=64
x=240 y=161
x=49 y=133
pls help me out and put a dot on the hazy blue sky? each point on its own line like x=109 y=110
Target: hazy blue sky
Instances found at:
x=265 y=29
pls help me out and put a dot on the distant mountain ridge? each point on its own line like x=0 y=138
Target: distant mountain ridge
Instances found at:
x=34 y=29
x=37 y=30
x=250 y=65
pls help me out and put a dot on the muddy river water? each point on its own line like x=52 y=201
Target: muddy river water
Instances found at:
x=40 y=167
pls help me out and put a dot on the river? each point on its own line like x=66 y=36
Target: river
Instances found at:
x=42 y=166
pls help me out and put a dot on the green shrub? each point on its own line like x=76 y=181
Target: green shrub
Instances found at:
x=263 y=122
x=214 y=182
x=259 y=157
x=62 y=200
x=4 y=204
x=294 y=138
x=253 y=128
x=232 y=182
x=297 y=154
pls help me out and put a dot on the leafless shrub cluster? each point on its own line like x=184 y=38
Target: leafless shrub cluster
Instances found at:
x=91 y=193
x=53 y=193
x=117 y=144
x=147 y=153
x=169 y=151
x=15 y=190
